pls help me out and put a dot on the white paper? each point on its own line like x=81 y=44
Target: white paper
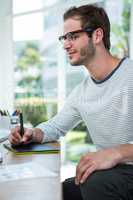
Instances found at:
x=24 y=171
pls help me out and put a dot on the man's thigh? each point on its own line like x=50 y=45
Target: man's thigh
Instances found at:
x=110 y=184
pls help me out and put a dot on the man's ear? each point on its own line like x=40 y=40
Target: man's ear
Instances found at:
x=97 y=36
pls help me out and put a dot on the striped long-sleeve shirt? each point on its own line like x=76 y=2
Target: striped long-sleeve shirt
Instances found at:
x=106 y=107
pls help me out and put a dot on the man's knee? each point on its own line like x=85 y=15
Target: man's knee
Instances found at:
x=70 y=190
x=100 y=184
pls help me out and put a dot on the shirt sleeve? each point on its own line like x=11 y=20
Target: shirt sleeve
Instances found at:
x=61 y=123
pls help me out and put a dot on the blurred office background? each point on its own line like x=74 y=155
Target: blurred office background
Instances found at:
x=34 y=71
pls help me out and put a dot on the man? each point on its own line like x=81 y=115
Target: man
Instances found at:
x=103 y=101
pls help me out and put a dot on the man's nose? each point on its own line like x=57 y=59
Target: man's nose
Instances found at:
x=67 y=44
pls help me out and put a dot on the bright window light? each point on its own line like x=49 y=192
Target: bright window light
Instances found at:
x=28 y=27
x=50 y=2
x=20 y=6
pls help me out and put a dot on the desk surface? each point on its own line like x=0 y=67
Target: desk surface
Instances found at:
x=40 y=188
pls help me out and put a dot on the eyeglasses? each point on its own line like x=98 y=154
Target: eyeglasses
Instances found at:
x=72 y=36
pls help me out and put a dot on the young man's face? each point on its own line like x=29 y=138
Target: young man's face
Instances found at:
x=80 y=49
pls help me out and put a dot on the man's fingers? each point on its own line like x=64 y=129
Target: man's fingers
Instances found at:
x=87 y=173
x=16 y=129
x=15 y=137
x=84 y=159
x=80 y=171
x=84 y=164
x=27 y=135
x=14 y=140
x=15 y=134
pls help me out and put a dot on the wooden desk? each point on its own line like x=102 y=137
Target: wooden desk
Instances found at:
x=44 y=188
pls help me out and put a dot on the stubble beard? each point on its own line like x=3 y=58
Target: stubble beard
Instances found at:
x=86 y=55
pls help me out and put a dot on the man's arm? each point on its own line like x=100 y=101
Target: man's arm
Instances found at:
x=61 y=123
x=126 y=152
x=51 y=130
x=103 y=159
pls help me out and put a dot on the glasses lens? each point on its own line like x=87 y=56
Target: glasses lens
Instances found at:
x=70 y=36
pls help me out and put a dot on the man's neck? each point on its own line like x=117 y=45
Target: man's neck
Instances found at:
x=102 y=65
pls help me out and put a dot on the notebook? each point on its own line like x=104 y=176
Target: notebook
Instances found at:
x=33 y=148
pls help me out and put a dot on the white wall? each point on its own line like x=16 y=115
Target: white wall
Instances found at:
x=6 y=55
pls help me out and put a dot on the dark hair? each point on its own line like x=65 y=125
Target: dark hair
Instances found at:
x=92 y=16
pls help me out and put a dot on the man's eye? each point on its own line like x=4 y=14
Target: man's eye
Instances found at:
x=75 y=36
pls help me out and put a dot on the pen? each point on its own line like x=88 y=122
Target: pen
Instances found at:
x=14 y=113
x=21 y=124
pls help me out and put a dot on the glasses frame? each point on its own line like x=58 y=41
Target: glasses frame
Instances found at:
x=65 y=37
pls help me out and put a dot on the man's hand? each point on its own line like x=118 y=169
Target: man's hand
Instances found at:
x=35 y=135
x=90 y=162
x=15 y=137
